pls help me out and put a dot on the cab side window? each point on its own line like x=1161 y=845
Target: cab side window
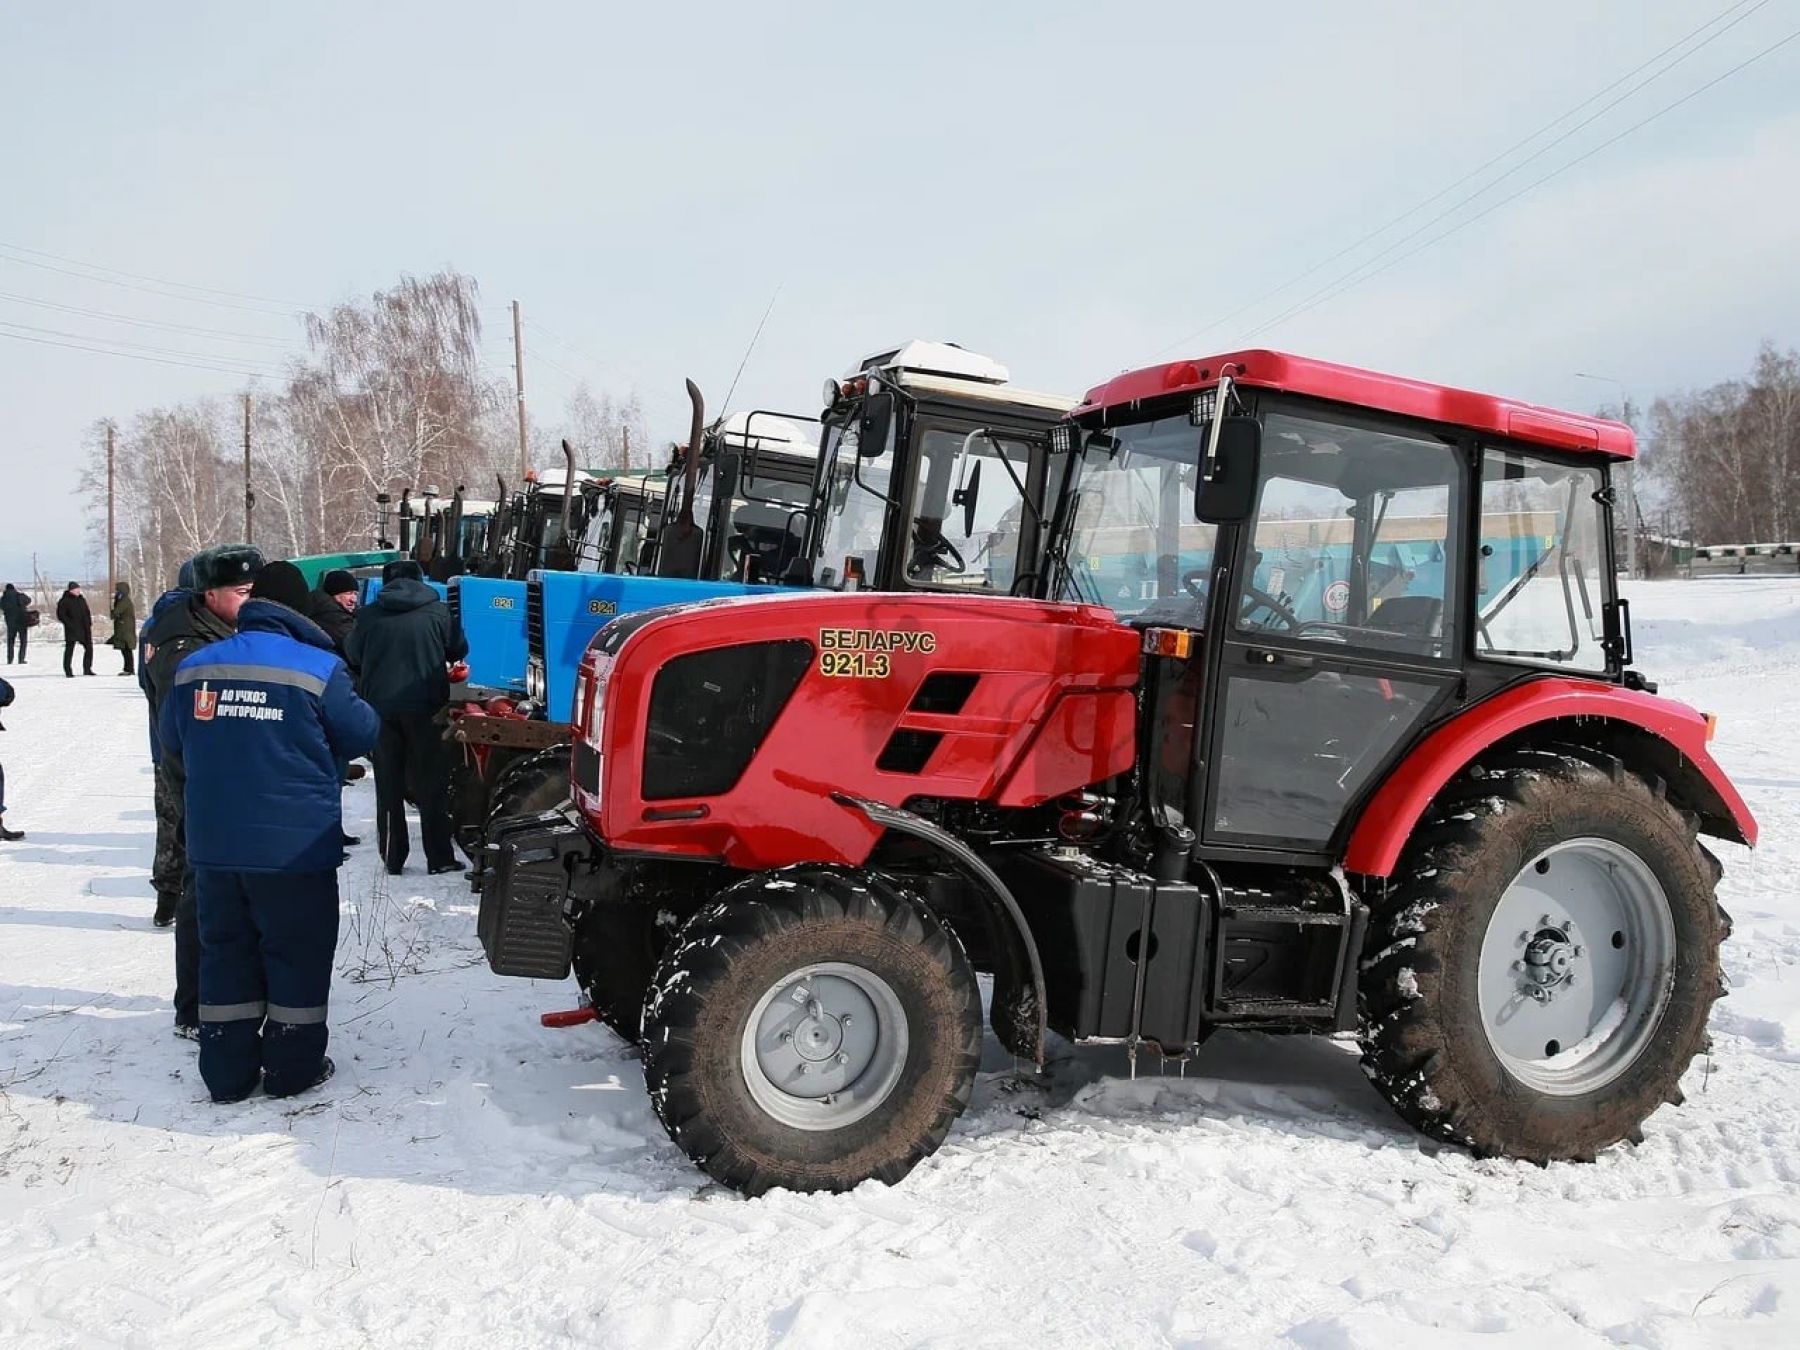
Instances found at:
x=1355 y=539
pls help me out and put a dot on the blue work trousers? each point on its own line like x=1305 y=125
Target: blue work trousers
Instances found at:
x=266 y=946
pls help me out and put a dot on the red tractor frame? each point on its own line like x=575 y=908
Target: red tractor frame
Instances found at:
x=1333 y=728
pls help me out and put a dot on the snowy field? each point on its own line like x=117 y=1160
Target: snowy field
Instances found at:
x=470 y=1178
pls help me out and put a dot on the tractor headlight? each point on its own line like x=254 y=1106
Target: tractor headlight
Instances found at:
x=536 y=683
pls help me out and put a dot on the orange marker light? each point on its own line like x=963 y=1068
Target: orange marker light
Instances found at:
x=1171 y=642
x=1712 y=725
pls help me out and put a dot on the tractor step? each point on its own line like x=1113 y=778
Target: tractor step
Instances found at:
x=1130 y=958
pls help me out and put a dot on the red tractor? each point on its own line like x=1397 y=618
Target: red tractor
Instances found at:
x=1329 y=726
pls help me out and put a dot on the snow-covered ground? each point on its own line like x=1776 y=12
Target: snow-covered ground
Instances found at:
x=470 y=1178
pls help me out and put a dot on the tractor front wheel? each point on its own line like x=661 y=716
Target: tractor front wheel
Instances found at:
x=811 y=1029
x=1540 y=977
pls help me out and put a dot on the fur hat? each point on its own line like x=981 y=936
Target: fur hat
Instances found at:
x=226 y=565
x=337 y=581
x=283 y=583
x=405 y=569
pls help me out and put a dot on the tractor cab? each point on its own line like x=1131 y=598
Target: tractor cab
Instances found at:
x=1330 y=576
x=621 y=511
x=447 y=536
x=934 y=475
x=750 y=493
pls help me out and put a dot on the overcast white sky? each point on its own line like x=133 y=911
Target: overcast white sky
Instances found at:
x=1072 y=188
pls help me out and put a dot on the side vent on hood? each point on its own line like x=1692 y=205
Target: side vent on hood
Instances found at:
x=943 y=691
x=709 y=713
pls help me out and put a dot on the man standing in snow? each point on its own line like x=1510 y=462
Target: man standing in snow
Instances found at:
x=10 y=836
x=78 y=629
x=183 y=622
x=14 y=608
x=124 y=622
x=260 y=722
x=400 y=648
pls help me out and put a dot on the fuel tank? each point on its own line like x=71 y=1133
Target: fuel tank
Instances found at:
x=721 y=730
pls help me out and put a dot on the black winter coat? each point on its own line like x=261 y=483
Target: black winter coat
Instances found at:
x=72 y=613
x=13 y=604
x=178 y=631
x=325 y=611
x=398 y=648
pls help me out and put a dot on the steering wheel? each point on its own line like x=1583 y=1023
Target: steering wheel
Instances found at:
x=1193 y=581
x=929 y=551
x=1255 y=599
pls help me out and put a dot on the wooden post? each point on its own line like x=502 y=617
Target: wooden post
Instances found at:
x=519 y=377
x=112 y=536
x=249 y=496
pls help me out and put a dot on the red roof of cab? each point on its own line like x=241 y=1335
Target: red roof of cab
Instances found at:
x=1368 y=389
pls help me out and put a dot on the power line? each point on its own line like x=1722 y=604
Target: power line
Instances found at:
x=121 y=342
x=1490 y=162
x=111 y=317
x=147 y=290
x=1351 y=280
x=566 y=345
x=159 y=281
x=131 y=356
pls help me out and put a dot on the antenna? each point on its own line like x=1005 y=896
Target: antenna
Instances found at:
x=726 y=405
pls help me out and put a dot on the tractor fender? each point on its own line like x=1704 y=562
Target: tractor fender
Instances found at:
x=1018 y=1009
x=1656 y=734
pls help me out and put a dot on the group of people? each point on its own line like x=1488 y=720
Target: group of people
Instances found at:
x=77 y=620
x=262 y=692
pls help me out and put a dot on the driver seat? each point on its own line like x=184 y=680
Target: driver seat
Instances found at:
x=1412 y=616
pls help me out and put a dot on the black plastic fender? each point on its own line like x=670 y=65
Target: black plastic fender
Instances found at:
x=1019 y=1009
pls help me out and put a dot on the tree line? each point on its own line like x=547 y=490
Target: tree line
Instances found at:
x=1725 y=460
x=390 y=394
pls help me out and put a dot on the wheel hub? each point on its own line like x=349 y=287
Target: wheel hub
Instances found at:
x=1562 y=1013
x=824 y=1046
x=1551 y=956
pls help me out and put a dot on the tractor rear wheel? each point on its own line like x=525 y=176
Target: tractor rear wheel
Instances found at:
x=1540 y=977
x=531 y=784
x=811 y=1029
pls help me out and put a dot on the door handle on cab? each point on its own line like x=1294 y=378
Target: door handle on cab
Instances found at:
x=1271 y=660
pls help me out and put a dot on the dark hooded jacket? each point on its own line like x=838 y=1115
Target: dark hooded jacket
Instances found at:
x=181 y=626
x=73 y=614
x=124 y=619
x=399 y=646
x=325 y=611
x=14 y=606
x=260 y=724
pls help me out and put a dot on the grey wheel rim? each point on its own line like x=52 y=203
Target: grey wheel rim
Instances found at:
x=824 y=1046
x=1577 y=966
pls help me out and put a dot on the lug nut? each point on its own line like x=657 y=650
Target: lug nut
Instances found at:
x=842 y=1058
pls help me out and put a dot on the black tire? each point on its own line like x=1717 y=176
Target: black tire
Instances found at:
x=615 y=956
x=759 y=932
x=1424 y=1045
x=531 y=784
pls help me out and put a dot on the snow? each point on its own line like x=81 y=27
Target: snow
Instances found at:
x=471 y=1178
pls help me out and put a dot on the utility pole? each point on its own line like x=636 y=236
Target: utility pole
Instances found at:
x=112 y=537
x=519 y=375
x=249 y=496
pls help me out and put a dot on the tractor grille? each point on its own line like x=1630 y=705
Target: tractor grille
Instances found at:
x=709 y=711
x=455 y=601
x=534 y=616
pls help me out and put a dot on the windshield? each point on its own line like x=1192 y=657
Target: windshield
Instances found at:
x=1134 y=545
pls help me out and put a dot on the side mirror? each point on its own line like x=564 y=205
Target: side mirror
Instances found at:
x=967 y=496
x=877 y=421
x=1228 y=496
